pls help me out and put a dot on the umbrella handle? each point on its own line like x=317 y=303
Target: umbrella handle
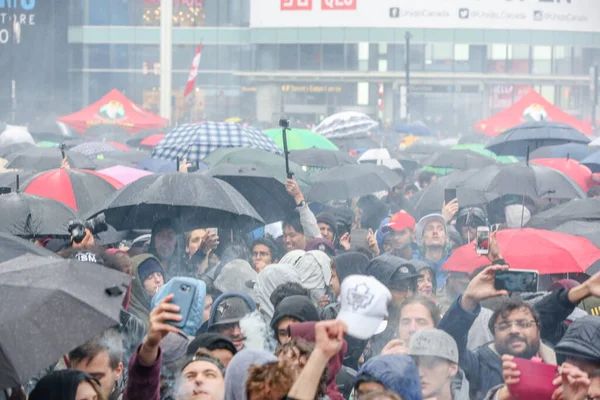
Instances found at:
x=285 y=125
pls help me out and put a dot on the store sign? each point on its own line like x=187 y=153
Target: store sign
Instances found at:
x=310 y=89
x=15 y=15
x=551 y=15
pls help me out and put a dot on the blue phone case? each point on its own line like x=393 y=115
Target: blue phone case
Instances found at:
x=184 y=294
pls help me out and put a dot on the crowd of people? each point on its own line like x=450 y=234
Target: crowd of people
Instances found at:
x=293 y=312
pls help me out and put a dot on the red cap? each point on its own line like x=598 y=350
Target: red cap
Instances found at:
x=401 y=220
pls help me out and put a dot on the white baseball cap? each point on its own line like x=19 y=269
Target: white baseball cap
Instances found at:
x=364 y=306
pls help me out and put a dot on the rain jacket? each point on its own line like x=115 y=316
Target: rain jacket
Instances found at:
x=351 y=263
x=314 y=269
x=233 y=278
x=268 y=279
x=298 y=307
x=237 y=372
x=194 y=320
x=224 y=296
x=436 y=266
x=397 y=373
x=483 y=367
x=309 y=223
x=140 y=302
x=581 y=339
x=306 y=331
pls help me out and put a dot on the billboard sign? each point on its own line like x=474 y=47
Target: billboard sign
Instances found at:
x=550 y=15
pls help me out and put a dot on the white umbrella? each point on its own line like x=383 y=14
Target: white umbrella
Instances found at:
x=15 y=134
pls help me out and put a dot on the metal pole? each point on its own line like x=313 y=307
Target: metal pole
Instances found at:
x=595 y=96
x=166 y=50
x=407 y=37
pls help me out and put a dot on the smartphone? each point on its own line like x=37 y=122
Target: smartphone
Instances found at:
x=358 y=239
x=535 y=382
x=517 y=280
x=215 y=231
x=449 y=195
x=184 y=294
x=483 y=240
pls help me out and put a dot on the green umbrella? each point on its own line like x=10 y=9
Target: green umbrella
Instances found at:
x=273 y=163
x=480 y=148
x=300 y=139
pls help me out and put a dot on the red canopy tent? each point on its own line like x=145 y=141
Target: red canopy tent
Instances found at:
x=532 y=107
x=114 y=109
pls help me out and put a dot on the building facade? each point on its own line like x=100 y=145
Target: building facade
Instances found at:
x=310 y=58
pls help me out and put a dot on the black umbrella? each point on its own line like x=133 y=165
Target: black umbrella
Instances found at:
x=12 y=247
x=431 y=199
x=49 y=307
x=592 y=161
x=533 y=135
x=457 y=159
x=314 y=157
x=43 y=159
x=8 y=179
x=574 y=210
x=533 y=181
x=14 y=148
x=131 y=157
x=263 y=191
x=574 y=151
x=349 y=181
x=195 y=200
x=52 y=131
x=587 y=229
x=31 y=216
x=352 y=143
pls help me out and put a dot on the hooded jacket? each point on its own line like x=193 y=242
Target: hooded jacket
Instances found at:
x=221 y=298
x=298 y=307
x=329 y=219
x=268 y=279
x=59 y=385
x=237 y=372
x=384 y=267
x=314 y=269
x=581 y=339
x=306 y=331
x=194 y=320
x=397 y=373
x=351 y=263
x=233 y=278
x=140 y=302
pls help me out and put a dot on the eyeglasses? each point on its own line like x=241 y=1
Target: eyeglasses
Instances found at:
x=521 y=323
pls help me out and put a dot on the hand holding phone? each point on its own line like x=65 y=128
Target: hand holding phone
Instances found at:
x=517 y=280
x=483 y=240
x=183 y=297
x=449 y=195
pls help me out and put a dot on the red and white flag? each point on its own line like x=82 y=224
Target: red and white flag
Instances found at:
x=189 y=87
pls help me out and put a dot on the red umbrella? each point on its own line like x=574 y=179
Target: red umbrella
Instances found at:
x=82 y=190
x=119 y=146
x=545 y=251
x=579 y=173
x=152 y=140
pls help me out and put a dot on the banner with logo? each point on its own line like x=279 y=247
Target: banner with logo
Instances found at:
x=551 y=15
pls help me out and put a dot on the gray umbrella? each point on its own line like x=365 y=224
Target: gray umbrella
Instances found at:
x=44 y=159
x=31 y=216
x=349 y=181
x=195 y=200
x=533 y=135
x=13 y=247
x=314 y=157
x=587 y=229
x=49 y=307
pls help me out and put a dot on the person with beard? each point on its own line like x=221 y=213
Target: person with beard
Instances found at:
x=518 y=327
x=433 y=239
x=226 y=314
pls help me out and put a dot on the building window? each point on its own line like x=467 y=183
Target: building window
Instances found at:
x=497 y=58
x=333 y=57
x=362 y=94
x=562 y=60
x=288 y=57
x=310 y=57
x=363 y=56
x=542 y=60
x=439 y=57
x=518 y=56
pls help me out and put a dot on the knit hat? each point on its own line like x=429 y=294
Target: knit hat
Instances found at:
x=321 y=244
x=149 y=267
x=299 y=308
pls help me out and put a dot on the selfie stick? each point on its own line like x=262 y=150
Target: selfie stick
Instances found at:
x=285 y=125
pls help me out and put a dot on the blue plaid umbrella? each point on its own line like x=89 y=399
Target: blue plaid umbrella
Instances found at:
x=94 y=148
x=195 y=141
x=345 y=124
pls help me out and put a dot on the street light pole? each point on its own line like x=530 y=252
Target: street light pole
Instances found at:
x=407 y=37
x=166 y=52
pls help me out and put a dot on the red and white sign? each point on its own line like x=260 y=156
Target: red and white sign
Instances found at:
x=296 y=5
x=338 y=4
x=189 y=87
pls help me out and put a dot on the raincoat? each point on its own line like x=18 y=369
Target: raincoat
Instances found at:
x=314 y=268
x=218 y=300
x=268 y=279
x=483 y=367
x=397 y=373
x=234 y=276
x=194 y=320
x=298 y=307
x=306 y=331
x=140 y=302
x=237 y=372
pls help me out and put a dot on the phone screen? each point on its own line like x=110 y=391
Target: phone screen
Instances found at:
x=358 y=239
x=449 y=195
x=517 y=280
x=483 y=241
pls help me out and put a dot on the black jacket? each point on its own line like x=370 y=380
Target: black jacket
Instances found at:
x=581 y=339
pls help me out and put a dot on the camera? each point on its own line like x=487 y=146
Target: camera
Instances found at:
x=284 y=123
x=95 y=225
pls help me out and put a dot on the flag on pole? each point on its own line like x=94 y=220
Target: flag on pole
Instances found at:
x=189 y=87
